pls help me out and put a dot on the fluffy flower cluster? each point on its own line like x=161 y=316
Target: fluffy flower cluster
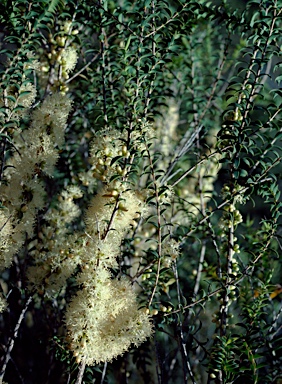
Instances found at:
x=23 y=193
x=105 y=147
x=128 y=206
x=6 y=233
x=51 y=118
x=69 y=59
x=61 y=59
x=103 y=319
x=109 y=216
x=57 y=254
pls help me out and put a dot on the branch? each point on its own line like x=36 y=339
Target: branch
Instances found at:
x=83 y=68
x=13 y=338
x=80 y=372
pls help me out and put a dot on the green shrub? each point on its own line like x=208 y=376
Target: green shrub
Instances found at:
x=140 y=193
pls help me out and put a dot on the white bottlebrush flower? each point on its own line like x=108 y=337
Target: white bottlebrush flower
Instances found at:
x=103 y=320
x=32 y=63
x=52 y=116
x=69 y=58
x=104 y=148
x=130 y=206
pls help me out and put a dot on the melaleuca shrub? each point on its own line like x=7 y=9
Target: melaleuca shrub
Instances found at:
x=140 y=195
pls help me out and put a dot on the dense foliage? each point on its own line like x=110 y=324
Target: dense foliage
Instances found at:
x=140 y=210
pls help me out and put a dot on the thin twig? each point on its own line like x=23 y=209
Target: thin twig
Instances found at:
x=104 y=373
x=168 y=21
x=83 y=68
x=159 y=229
x=200 y=269
x=13 y=338
x=191 y=169
x=232 y=282
x=185 y=359
x=133 y=279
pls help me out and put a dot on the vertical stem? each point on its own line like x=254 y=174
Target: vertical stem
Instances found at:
x=104 y=373
x=224 y=306
x=80 y=372
x=3 y=144
x=153 y=54
x=159 y=229
x=13 y=338
x=103 y=55
x=200 y=268
x=185 y=358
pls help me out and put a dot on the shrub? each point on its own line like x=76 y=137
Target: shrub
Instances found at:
x=140 y=192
